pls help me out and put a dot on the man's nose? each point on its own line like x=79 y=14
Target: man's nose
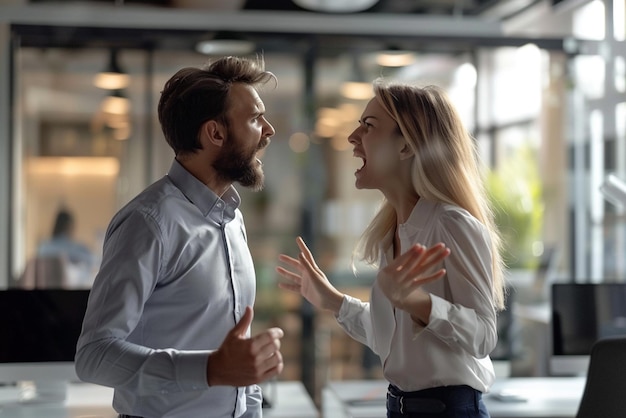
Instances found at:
x=269 y=130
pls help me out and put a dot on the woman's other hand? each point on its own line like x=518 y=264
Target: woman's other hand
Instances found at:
x=402 y=279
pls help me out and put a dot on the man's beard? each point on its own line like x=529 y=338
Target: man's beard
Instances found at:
x=235 y=165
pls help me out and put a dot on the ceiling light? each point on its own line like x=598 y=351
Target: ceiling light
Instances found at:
x=395 y=58
x=336 y=6
x=116 y=120
x=113 y=77
x=226 y=44
x=116 y=104
x=356 y=90
x=222 y=47
x=121 y=134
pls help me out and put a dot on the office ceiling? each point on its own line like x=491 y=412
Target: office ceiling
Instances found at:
x=82 y=43
x=507 y=8
x=428 y=7
x=441 y=15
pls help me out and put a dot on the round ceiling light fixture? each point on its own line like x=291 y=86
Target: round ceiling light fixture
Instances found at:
x=336 y=6
x=225 y=46
x=395 y=58
x=223 y=43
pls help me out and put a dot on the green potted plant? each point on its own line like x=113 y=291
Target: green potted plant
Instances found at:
x=515 y=191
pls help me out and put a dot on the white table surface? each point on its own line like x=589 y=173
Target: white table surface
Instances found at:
x=542 y=397
x=92 y=401
x=549 y=397
x=292 y=400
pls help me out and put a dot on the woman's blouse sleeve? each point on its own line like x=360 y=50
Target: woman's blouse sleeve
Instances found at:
x=354 y=317
x=467 y=315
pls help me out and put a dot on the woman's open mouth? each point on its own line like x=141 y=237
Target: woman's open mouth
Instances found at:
x=362 y=166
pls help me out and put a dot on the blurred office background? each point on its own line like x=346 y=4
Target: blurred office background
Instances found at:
x=540 y=84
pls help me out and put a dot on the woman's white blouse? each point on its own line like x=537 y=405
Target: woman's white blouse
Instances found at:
x=453 y=349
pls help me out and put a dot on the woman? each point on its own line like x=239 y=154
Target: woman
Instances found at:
x=432 y=311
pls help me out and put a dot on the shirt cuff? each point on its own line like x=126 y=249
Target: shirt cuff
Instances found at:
x=191 y=366
x=439 y=320
x=419 y=327
x=346 y=311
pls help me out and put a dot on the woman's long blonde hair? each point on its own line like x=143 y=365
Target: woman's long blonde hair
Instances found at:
x=445 y=168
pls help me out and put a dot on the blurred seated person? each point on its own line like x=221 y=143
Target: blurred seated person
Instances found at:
x=70 y=261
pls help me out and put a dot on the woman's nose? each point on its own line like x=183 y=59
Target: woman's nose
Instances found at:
x=353 y=138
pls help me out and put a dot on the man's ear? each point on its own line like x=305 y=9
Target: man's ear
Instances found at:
x=213 y=132
x=406 y=151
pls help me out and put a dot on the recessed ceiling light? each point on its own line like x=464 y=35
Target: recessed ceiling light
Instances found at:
x=225 y=47
x=225 y=43
x=336 y=6
x=395 y=58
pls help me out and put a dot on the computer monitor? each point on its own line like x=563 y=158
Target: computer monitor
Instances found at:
x=583 y=313
x=38 y=334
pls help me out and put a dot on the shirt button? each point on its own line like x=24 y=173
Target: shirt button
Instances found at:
x=163 y=392
x=219 y=204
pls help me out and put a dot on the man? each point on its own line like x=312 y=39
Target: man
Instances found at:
x=168 y=320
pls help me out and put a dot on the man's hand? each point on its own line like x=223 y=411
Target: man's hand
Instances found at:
x=243 y=361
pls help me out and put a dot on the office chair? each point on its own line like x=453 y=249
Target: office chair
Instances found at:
x=605 y=390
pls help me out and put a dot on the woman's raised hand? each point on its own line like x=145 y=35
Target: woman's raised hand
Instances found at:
x=402 y=278
x=306 y=278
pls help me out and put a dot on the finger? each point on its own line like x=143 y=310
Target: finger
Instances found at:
x=296 y=288
x=267 y=351
x=434 y=260
x=276 y=333
x=302 y=245
x=305 y=250
x=274 y=366
x=412 y=253
x=267 y=336
x=289 y=275
x=436 y=252
x=266 y=343
x=242 y=326
x=310 y=266
x=407 y=269
x=289 y=260
x=435 y=276
x=424 y=259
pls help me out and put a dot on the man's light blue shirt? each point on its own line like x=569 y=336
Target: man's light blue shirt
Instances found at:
x=176 y=277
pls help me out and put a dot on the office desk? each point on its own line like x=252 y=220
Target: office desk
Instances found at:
x=92 y=401
x=83 y=400
x=550 y=397
x=292 y=400
x=543 y=397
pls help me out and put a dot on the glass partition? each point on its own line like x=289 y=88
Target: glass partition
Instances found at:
x=81 y=154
